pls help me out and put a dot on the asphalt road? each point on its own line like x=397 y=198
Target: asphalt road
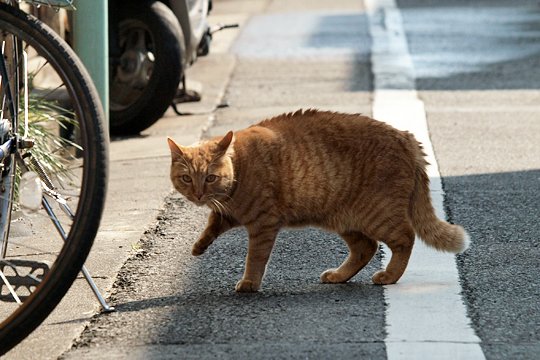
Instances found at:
x=476 y=66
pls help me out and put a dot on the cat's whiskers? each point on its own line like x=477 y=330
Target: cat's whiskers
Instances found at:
x=213 y=206
x=221 y=208
x=225 y=195
x=218 y=208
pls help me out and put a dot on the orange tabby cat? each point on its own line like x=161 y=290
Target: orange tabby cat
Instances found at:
x=346 y=173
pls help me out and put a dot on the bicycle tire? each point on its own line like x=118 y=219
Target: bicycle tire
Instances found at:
x=93 y=175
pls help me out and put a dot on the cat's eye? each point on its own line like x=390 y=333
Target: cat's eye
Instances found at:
x=211 y=178
x=186 y=178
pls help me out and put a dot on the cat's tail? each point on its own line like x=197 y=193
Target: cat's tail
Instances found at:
x=433 y=231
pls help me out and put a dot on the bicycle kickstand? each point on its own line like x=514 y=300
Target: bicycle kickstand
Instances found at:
x=49 y=189
x=106 y=307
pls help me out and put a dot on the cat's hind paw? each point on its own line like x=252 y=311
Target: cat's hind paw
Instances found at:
x=247 y=286
x=383 y=278
x=332 y=276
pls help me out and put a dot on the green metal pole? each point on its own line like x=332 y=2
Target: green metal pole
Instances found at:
x=91 y=42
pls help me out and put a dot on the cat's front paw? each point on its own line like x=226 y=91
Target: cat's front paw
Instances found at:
x=198 y=249
x=247 y=286
x=202 y=244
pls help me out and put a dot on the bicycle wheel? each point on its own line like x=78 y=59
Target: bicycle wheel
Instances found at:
x=64 y=168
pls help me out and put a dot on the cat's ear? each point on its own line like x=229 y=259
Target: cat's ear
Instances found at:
x=176 y=151
x=224 y=145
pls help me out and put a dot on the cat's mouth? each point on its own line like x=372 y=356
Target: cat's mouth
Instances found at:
x=199 y=202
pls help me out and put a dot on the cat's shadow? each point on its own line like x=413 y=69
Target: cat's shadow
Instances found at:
x=270 y=295
x=291 y=279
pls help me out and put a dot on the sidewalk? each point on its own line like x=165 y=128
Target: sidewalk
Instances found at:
x=138 y=183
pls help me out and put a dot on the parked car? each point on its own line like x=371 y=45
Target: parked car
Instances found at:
x=151 y=44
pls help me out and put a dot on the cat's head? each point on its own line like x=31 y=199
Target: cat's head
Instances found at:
x=203 y=173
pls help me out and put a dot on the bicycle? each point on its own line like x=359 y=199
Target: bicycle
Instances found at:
x=53 y=170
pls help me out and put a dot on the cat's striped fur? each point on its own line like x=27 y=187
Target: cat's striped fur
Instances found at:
x=346 y=173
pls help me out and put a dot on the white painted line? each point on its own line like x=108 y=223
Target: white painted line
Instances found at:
x=425 y=317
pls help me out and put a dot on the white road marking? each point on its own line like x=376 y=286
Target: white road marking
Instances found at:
x=426 y=317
